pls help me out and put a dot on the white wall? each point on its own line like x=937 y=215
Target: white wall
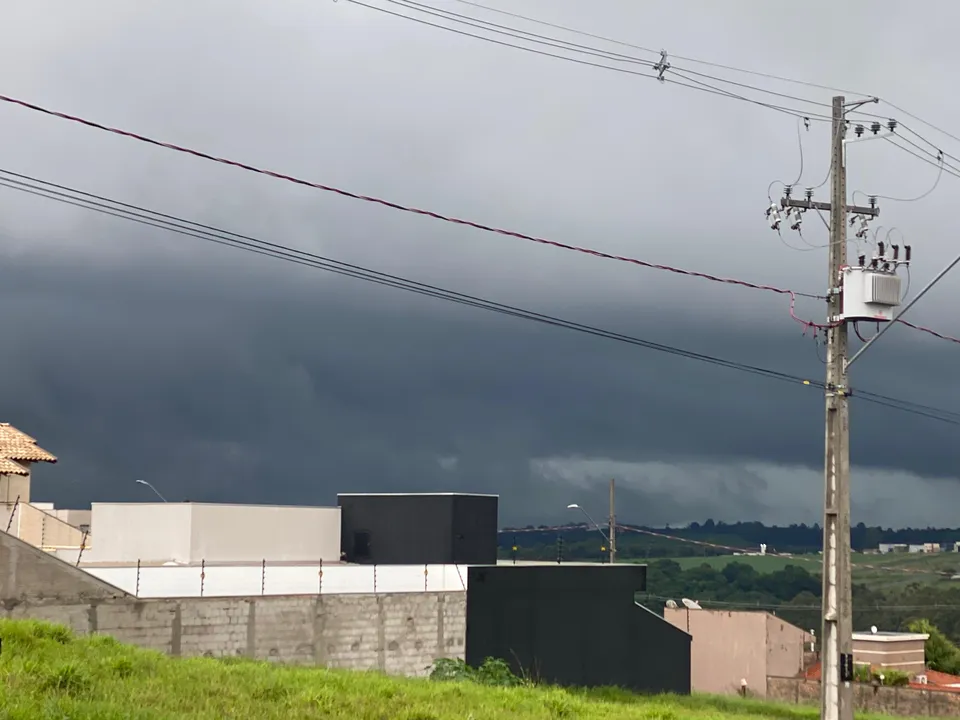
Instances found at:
x=215 y=533
x=247 y=580
x=149 y=532
x=246 y=533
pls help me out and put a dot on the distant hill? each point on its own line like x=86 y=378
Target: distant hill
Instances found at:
x=703 y=539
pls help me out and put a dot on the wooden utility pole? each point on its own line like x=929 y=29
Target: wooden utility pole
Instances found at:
x=613 y=523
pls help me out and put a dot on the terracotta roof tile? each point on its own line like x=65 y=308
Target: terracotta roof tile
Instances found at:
x=9 y=467
x=17 y=445
x=936 y=681
x=935 y=677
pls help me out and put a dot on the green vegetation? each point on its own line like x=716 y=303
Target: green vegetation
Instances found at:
x=582 y=542
x=941 y=654
x=793 y=592
x=888 y=677
x=894 y=570
x=47 y=673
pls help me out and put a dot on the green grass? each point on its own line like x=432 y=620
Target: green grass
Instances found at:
x=47 y=673
x=879 y=571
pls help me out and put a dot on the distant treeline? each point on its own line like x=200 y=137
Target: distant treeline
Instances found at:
x=793 y=593
x=581 y=541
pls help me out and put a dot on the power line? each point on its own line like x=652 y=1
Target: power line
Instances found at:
x=692 y=83
x=727 y=550
x=792 y=294
x=239 y=241
x=921 y=120
x=684 y=73
x=219 y=236
x=409 y=209
x=517 y=33
x=736 y=551
x=622 y=43
x=551 y=42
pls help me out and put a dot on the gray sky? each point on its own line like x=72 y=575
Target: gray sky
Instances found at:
x=217 y=375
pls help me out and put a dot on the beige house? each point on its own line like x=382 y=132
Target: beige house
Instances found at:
x=731 y=647
x=891 y=651
x=18 y=452
x=36 y=523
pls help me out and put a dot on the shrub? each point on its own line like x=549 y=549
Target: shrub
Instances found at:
x=493 y=671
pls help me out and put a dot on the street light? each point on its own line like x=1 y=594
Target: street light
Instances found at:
x=155 y=491
x=574 y=506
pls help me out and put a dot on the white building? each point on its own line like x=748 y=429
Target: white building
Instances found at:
x=190 y=533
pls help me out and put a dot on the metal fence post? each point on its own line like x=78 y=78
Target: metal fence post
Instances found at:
x=203 y=574
x=83 y=545
x=263 y=576
x=137 y=591
x=425 y=577
x=320 y=578
x=374 y=577
x=16 y=504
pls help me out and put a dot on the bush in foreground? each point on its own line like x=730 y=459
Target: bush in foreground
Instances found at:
x=46 y=672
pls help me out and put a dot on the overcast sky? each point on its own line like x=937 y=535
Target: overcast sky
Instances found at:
x=217 y=375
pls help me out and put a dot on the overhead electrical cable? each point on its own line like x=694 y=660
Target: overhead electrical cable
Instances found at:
x=697 y=61
x=413 y=210
x=658 y=56
x=703 y=87
x=791 y=294
x=172 y=223
x=555 y=42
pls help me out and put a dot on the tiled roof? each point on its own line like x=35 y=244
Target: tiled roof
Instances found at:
x=10 y=467
x=935 y=677
x=17 y=445
x=936 y=681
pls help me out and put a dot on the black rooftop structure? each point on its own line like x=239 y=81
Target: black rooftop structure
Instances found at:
x=418 y=528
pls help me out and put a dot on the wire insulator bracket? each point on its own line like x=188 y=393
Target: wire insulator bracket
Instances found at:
x=662 y=66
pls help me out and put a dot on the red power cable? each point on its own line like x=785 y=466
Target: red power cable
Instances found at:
x=445 y=218
x=403 y=208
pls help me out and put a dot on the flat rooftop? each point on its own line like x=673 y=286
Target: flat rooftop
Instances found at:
x=886 y=636
x=414 y=494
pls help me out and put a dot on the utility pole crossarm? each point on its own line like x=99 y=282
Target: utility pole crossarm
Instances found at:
x=870 y=211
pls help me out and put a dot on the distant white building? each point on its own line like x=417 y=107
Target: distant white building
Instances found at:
x=892 y=548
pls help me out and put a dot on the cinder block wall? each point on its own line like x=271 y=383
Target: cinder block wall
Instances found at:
x=398 y=633
x=27 y=573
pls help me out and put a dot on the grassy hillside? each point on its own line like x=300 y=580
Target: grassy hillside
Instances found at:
x=45 y=672
x=879 y=571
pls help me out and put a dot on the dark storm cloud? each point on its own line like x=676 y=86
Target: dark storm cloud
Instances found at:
x=134 y=355
x=271 y=389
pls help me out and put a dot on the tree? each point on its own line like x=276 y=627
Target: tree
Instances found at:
x=941 y=654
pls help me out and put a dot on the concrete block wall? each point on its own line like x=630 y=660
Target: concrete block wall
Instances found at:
x=28 y=573
x=395 y=633
x=903 y=701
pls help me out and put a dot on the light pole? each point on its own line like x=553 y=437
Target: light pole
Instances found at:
x=155 y=491
x=574 y=506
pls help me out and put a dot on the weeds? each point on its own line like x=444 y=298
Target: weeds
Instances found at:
x=47 y=672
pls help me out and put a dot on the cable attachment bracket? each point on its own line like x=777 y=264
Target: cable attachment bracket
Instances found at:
x=662 y=66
